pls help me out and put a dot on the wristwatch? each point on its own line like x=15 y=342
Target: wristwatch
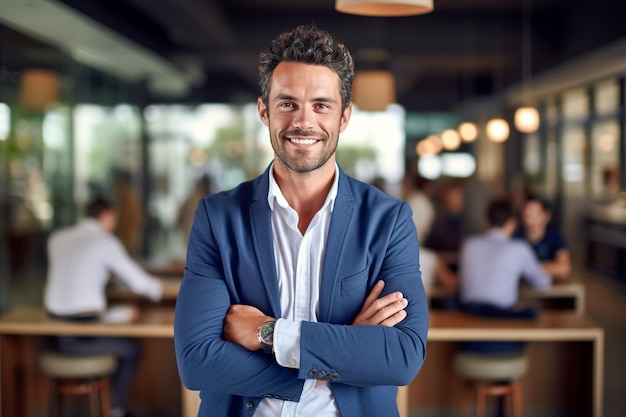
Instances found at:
x=266 y=336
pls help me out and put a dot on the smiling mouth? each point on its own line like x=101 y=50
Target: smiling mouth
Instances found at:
x=303 y=141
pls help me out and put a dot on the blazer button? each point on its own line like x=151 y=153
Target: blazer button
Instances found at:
x=334 y=376
x=314 y=373
x=249 y=405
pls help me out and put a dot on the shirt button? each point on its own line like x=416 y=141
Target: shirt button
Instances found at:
x=293 y=362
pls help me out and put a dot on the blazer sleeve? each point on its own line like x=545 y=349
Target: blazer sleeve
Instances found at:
x=372 y=354
x=205 y=361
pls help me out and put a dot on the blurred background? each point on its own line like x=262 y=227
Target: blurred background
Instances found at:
x=153 y=102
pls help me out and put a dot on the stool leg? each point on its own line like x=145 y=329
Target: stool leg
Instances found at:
x=93 y=398
x=105 y=402
x=517 y=399
x=481 y=399
x=508 y=403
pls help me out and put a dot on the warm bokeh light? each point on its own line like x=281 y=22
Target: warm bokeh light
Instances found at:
x=431 y=145
x=468 y=131
x=450 y=139
x=497 y=130
x=526 y=119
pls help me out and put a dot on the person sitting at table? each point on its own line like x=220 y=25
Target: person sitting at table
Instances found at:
x=81 y=258
x=545 y=240
x=491 y=266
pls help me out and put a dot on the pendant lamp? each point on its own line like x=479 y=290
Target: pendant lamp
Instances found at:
x=526 y=119
x=384 y=8
x=373 y=90
x=497 y=130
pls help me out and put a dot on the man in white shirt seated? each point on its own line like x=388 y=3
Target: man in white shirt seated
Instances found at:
x=81 y=260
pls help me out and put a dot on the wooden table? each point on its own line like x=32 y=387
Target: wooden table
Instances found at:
x=23 y=388
x=120 y=292
x=550 y=327
x=444 y=327
x=566 y=296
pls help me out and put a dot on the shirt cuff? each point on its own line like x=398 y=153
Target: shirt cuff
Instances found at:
x=287 y=343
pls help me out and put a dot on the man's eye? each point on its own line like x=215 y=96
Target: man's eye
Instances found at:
x=323 y=106
x=286 y=104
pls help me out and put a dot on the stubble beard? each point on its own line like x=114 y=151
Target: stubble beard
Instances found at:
x=304 y=164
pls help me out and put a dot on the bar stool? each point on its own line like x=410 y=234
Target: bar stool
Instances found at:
x=491 y=374
x=76 y=375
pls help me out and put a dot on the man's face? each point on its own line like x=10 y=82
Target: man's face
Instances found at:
x=534 y=216
x=304 y=116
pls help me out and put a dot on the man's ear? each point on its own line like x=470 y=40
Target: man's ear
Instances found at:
x=263 y=112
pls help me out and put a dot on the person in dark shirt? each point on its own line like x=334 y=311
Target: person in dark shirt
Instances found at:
x=545 y=240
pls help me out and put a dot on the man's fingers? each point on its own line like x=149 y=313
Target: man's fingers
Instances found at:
x=390 y=313
x=394 y=319
x=373 y=295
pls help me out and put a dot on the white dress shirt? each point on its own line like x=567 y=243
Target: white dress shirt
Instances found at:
x=81 y=259
x=299 y=261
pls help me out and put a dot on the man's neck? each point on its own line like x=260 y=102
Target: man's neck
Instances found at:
x=305 y=193
x=535 y=234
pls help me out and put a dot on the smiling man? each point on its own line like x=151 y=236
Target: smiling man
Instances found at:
x=302 y=294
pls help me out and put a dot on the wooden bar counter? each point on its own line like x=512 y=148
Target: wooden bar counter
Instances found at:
x=22 y=385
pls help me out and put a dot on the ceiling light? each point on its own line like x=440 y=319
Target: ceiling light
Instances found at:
x=468 y=131
x=526 y=119
x=450 y=139
x=497 y=130
x=39 y=88
x=373 y=90
x=385 y=8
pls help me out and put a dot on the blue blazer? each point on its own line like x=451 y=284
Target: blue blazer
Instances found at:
x=230 y=260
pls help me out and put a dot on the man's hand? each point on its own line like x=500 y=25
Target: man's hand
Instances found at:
x=387 y=310
x=241 y=325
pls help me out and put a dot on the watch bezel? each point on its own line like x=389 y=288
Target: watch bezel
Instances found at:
x=265 y=335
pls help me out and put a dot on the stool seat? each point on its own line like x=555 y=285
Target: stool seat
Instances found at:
x=490 y=367
x=59 y=365
x=79 y=374
x=491 y=374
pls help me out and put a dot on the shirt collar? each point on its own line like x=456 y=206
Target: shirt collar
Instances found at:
x=497 y=234
x=275 y=195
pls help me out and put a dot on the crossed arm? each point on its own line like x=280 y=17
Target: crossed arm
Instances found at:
x=243 y=321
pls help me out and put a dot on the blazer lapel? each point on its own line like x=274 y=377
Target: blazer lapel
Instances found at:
x=335 y=244
x=262 y=235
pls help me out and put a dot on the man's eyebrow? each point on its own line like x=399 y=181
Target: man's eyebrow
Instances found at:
x=324 y=99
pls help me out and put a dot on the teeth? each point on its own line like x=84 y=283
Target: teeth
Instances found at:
x=303 y=141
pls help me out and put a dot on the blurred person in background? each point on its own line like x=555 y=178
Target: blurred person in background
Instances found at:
x=435 y=271
x=130 y=215
x=447 y=230
x=544 y=238
x=184 y=221
x=81 y=260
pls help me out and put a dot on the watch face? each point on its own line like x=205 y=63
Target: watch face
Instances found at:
x=266 y=333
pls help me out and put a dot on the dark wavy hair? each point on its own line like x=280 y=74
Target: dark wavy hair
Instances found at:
x=499 y=212
x=309 y=45
x=97 y=206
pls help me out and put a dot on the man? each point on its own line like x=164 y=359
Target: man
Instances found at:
x=81 y=258
x=302 y=293
x=492 y=265
x=546 y=241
